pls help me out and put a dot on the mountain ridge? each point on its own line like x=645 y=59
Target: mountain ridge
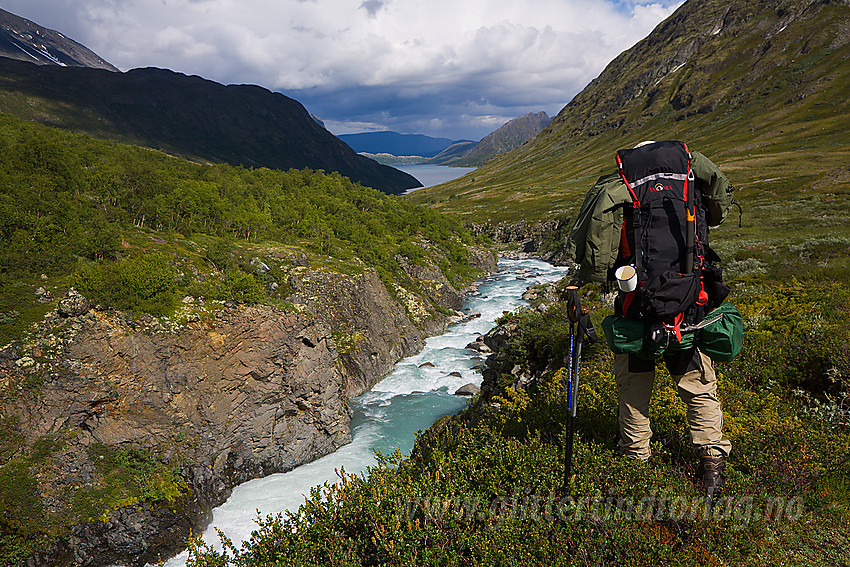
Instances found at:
x=507 y=137
x=396 y=144
x=189 y=116
x=24 y=40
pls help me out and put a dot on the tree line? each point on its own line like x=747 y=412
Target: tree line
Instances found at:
x=66 y=197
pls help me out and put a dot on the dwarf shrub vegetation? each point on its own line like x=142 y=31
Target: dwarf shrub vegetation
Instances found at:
x=483 y=487
x=144 y=284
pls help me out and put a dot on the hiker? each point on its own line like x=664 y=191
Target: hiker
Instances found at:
x=650 y=220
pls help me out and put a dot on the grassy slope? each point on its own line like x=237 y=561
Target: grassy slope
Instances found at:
x=777 y=126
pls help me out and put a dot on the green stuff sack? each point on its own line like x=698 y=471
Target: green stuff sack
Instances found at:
x=722 y=339
x=629 y=336
x=624 y=336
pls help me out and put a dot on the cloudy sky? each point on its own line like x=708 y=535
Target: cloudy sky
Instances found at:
x=447 y=68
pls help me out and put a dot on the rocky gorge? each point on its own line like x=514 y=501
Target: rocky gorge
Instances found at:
x=138 y=426
x=543 y=239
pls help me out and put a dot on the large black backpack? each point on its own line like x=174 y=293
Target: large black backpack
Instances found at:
x=665 y=237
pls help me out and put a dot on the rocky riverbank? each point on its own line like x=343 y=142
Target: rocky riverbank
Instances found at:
x=543 y=239
x=187 y=407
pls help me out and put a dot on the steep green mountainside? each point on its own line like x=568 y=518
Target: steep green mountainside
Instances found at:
x=453 y=153
x=509 y=136
x=187 y=116
x=759 y=86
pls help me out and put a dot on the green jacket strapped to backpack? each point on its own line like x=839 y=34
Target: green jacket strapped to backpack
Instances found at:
x=594 y=242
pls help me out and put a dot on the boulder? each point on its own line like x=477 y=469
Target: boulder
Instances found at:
x=498 y=337
x=73 y=304
x=468 y=390
x=479 y=346
x=301 y=261
x=44 y=296
x=11 y=352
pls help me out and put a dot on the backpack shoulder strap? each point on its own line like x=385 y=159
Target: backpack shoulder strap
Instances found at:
x=594 y=240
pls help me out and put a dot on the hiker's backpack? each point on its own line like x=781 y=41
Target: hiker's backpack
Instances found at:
x=594 y=241
x=664 y=235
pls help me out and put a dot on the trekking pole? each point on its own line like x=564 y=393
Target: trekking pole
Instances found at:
x=581 y=326
x=573 y=313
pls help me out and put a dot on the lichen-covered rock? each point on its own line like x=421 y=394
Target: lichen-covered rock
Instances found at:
x=73 y=304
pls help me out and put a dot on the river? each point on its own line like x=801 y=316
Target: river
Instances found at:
x=388 y=416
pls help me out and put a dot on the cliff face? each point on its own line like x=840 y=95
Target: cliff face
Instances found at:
x=542 y=239
x=248 y=392
x=218 y=395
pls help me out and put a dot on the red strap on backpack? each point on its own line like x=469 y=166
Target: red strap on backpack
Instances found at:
x=627 y=302
x=676 y=327
x=635 y=200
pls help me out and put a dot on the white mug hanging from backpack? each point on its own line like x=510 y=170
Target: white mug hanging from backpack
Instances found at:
x=626 y=278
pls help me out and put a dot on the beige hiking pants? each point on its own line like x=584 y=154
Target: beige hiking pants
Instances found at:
x=697 y=386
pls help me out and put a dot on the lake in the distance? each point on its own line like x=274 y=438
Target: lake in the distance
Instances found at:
x=430 y=175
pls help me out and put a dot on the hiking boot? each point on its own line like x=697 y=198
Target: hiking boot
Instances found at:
x=710 y=474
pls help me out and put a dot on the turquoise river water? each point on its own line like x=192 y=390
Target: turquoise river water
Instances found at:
x=387 y=417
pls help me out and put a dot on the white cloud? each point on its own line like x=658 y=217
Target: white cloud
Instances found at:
x=476 y=61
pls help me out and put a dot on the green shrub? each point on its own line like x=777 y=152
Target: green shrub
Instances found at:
x=127 y=477
x=145 y=284
x=220 y=254
x=232 y=285
x=242 y=287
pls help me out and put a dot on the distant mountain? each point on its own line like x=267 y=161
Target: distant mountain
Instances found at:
x=27 y=41
x=511 y=135
x=453 y=153
x=396 y=144
x=187 y=116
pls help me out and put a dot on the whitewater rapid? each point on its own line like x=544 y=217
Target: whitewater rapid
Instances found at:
x=388 y=416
